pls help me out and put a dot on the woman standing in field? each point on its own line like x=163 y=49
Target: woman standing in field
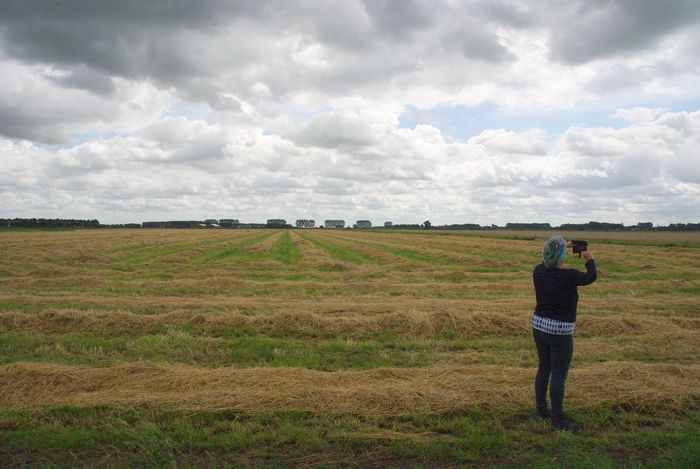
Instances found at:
x=553 y=324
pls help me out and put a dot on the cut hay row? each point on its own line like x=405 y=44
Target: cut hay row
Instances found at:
x=264 y=245
x=313 y=257
x=400 y=249
x=468 y=325
x=86 y=245
x=378 y=392
x=235 y=248
x=520 y=253
x=472 y=249
x=184 y=251
x=647 y=306
x=382 y=256
x=344 y=254
x=199 y=282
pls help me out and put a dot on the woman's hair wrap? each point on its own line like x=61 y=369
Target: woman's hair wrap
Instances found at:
x=554 y=251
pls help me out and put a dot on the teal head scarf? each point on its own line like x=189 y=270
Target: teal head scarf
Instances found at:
x=554 y=251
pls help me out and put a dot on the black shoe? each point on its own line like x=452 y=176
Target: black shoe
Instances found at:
x=561 y=422
x=543 y=412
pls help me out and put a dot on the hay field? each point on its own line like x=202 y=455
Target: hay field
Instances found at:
x=337 y=348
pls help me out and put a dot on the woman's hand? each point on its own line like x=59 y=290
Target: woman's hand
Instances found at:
x=588 y=255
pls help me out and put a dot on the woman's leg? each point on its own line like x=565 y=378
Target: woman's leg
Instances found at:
x=562 y=349
x=543 y=368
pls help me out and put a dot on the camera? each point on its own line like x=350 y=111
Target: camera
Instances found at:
x=579 y=246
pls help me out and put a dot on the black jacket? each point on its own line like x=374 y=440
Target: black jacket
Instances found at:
x=557 y=292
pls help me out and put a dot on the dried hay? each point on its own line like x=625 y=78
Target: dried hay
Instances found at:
x=378 y=392
x=355 y=305
x=468 y=325
x=265 y=243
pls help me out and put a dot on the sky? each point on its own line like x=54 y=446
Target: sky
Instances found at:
x=470 y=111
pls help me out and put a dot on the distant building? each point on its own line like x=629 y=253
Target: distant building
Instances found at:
x=153 y=224
x=645 y=226
x=306 y=223
x=388 y=224
x=363 y=224
x=462 y=226
x=182 y=224
x=334 y=223
x=171 y=224
x=276 y=222
x=228 y=222
x=528 y=226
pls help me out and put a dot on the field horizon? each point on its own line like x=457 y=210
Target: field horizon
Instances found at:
x=326 y=348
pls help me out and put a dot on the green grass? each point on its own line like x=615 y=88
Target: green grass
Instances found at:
x=247 y=347
x=181 y=347
x=285 y=251
x=145 y=437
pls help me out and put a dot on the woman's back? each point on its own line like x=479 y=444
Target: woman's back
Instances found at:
x=556 y=290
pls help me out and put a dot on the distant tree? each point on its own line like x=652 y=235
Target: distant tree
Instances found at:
x=426 y=225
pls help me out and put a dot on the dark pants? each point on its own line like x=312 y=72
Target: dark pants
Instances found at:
x=554 y=353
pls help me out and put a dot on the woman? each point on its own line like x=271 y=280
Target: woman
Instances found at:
x=553 y=325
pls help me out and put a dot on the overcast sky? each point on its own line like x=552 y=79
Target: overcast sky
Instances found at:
x=488 y=111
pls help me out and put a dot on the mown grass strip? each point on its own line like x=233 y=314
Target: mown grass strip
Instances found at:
x=177 y=346
x=409 y=254
x=147 y=437
x=245 y=347
x=421 y=257
x=285 y=251
x=342 y=254
x=234 y=251
x=149 y=254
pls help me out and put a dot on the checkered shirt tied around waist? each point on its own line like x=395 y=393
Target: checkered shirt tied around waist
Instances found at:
x=552 y=326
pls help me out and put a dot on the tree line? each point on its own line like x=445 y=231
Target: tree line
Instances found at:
x=47 y=223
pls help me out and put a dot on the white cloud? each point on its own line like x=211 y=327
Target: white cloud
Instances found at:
x=532 y=142
x=638 y=115
x=299 y=107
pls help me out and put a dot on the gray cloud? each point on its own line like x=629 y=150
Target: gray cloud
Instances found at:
x=401 y=19
x=87 y=79
x=19 y=123
x=605 y=28
x=334 y=130
x=512 y=14
x=37 y=106
x=29 y=110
